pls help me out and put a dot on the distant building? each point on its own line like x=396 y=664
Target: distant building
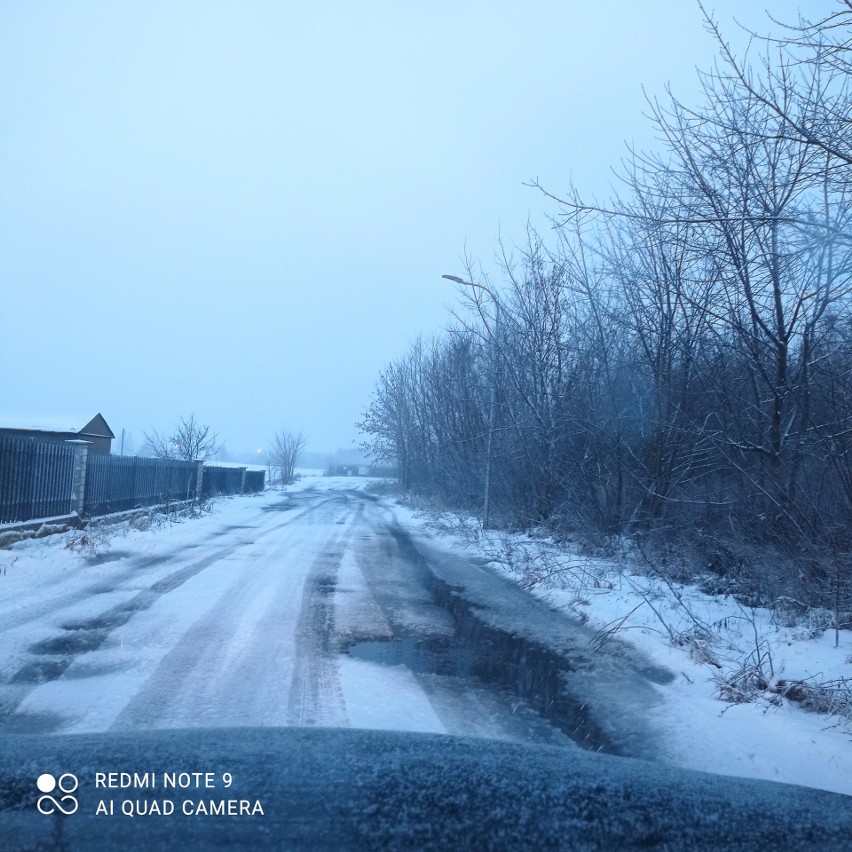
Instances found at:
x=380 y=471
x=348 y=470
x=96 y=432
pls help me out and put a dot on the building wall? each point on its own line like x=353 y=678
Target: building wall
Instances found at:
x=98 y=443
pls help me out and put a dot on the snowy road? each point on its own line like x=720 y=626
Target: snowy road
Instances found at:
x=256 y=640
x=312 y=608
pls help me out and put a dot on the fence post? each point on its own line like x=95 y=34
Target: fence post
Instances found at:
x=78 y=478
x=198 y=480
x=243 y=482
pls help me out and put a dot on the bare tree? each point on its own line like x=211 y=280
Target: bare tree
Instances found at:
x=190 y=441
x=429 y=417
x=804 y=79
x=679 y=365
x=284 y=455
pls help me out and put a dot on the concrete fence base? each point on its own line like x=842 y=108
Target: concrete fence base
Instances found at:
x=43 y=527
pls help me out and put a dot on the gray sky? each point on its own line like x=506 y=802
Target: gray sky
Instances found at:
x=243 y=209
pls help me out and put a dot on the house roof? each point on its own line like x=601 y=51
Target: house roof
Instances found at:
x=95 y=426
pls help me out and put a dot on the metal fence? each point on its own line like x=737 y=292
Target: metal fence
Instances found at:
x=35 y=479
x=218 y=481
x=255 y=481
x=115 y=483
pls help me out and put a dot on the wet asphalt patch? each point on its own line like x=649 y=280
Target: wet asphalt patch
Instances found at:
x=511 y=664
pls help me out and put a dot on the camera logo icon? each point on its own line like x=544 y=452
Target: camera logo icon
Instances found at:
x=66 y=784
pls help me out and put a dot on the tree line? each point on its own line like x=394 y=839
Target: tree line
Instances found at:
x=675 y=365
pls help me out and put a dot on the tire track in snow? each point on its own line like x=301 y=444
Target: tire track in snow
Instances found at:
x=63 y=600
x=217 y=672
x=52 y=657
x=316 y=693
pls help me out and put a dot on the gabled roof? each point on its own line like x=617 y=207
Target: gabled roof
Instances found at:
x=98 y=427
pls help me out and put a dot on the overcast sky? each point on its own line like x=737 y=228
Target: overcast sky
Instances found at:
x=243 y=210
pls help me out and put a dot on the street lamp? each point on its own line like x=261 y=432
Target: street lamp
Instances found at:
x=495 y=352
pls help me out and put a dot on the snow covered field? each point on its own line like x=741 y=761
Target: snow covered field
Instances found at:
x=184 y=623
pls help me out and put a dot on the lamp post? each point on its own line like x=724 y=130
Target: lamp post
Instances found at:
x=495 y=351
